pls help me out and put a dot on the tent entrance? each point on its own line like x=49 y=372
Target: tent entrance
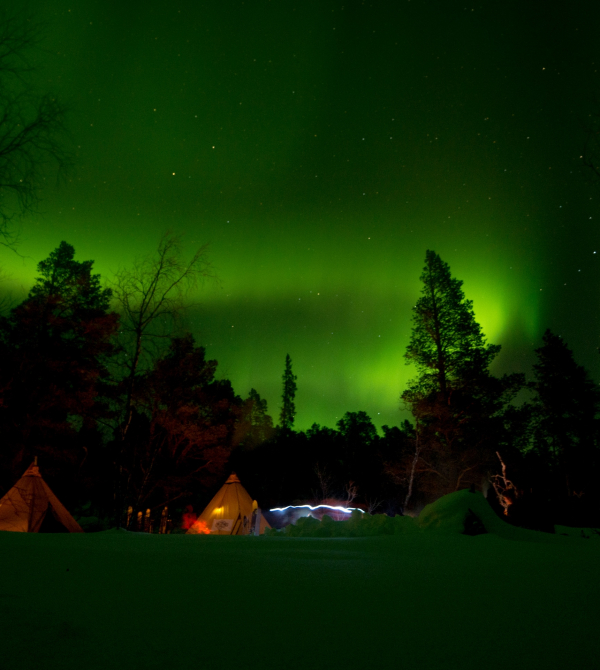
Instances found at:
x=51 y=524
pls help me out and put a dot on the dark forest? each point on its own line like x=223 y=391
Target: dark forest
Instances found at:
x=125 y=416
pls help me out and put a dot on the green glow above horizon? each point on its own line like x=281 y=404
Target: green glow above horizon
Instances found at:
x=319 y=165
x=345 y=323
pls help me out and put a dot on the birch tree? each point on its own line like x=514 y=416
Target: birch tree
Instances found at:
x=152 y=297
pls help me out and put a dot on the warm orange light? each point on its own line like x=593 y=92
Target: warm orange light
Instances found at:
x=199 y=527
x=189 y=518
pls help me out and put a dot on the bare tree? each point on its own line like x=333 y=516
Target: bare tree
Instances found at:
x=152 y=298
x=403 y=472
x=33 y=137
x=413 y=466
x=505 y=490
x=325 y=481
x=351 y=492
x=373 y=504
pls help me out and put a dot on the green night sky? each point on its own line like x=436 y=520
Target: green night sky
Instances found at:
x=321 y=147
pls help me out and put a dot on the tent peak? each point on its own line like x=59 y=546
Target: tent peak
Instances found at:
x=33 y=470
x=230 y=512
x=31 y=507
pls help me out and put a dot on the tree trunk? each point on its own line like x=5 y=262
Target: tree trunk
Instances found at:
x=412 y=469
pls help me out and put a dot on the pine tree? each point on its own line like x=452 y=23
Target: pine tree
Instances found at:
x=255 y=426
x=288 y=409
x=185 y=422
x=72 y=280
x=358 y=461
x=565 y=406
x=456 y=401
x=447 y=345
x=55 y=347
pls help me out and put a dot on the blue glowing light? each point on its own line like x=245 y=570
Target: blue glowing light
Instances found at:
x=346 y=510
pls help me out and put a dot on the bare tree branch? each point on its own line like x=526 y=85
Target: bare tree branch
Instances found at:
x=324 y=484
x=152 y=297
x=33 y=137
x=351 y=492
x=373 y=505
x=505 y=490
x=413 y=465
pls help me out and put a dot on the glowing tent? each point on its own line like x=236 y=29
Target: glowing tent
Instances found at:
x=231 y=512
x=25 y=507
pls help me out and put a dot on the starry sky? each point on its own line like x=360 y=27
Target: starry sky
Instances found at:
x=320 y=147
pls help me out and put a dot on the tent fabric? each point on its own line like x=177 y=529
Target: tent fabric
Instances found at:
x=229 y=512
x=24 y=508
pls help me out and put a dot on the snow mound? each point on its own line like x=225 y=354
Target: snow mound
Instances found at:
x=463 y=512
x=359 y=525
x=469 y=513
x=583 y=533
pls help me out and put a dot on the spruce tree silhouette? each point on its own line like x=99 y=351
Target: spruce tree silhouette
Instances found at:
x=288 y=408
x=456 y=401
x=565 y=407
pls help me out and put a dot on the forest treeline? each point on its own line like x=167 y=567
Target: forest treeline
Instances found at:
x=125 y=411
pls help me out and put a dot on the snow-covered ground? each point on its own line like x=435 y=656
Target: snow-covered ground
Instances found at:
x=433 y=598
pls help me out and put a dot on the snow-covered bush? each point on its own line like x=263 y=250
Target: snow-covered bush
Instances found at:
x=359 y=525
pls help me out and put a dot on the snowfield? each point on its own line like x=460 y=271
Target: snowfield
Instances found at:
x=428 y=599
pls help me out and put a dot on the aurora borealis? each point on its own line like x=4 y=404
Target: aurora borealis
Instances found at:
x=320 y=148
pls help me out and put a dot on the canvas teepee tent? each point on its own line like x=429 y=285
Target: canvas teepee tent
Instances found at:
x=30 y=506
x=231 y=512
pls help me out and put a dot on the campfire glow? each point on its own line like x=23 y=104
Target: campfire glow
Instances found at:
x=199 y=527
x=189 y=518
